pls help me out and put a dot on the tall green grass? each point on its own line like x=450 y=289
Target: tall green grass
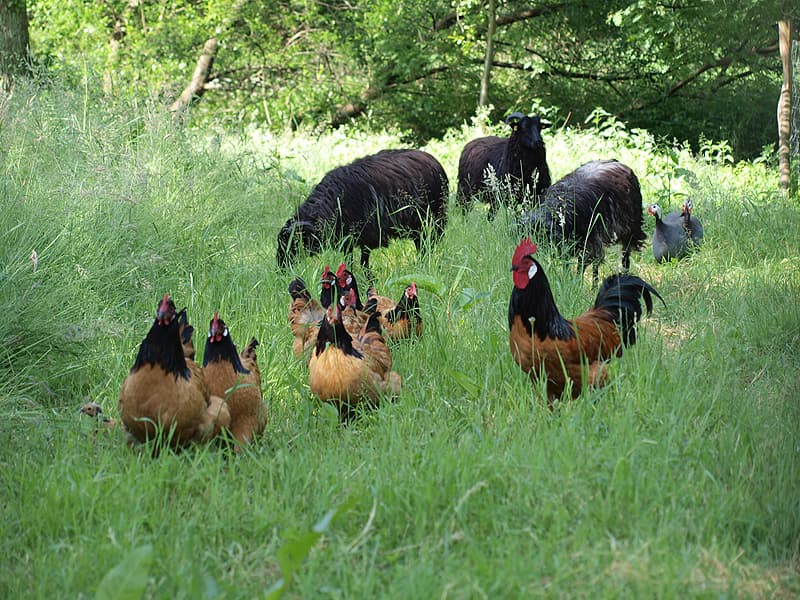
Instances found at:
x=679 y=479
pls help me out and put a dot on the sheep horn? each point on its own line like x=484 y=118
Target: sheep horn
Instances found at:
x=515 y=116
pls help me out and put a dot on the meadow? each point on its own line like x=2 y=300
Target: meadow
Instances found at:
x=679 y=479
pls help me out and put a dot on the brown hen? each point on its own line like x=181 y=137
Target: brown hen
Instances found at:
x=235 y=377
x=165 y=392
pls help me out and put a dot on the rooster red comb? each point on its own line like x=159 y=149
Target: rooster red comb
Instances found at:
x=340 y=271
x=526 y=248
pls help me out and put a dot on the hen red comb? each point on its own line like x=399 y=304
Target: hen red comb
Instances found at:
x=525 y=248
x=340 y=271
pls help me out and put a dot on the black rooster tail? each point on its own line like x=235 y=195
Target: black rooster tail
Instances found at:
x=298 y=289
x=619 y=295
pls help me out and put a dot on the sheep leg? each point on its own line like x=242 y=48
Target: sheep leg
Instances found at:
x=626 y=260
x=365 y=253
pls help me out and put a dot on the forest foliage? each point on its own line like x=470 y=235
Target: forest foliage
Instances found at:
x=683 y=69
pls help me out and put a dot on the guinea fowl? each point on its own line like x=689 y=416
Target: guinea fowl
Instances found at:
x=670 y=238
x=692 y=223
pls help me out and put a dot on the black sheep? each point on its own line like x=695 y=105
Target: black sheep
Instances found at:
x=383 y=196
x=519 y=162
x=598 y=204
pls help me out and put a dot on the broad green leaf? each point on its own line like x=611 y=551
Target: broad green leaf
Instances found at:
x=127 y=580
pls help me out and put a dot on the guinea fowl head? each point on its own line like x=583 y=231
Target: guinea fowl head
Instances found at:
x=687 y=207
x=654 y=210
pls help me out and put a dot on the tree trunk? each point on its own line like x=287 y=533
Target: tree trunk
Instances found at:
x=14 y=41
x=487 y=64
x=196 y=87
x=118 y=31
x=785 y=107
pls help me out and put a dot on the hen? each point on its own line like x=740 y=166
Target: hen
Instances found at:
x=350 y=370
x=305 y=313
x=165 y=391
x=354 y=316
x=545 y=343
x=400 y=319
x=236 y=378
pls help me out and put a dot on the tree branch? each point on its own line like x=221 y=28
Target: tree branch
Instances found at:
x=196 y=87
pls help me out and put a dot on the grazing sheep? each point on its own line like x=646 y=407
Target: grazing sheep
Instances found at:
x=383 y=196
x=598 y=204
x=518 y=161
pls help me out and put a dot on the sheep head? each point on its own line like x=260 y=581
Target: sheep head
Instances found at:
x=293 y=236
x=527 y=130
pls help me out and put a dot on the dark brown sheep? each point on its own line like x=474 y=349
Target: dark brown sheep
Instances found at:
x=377 y=198
x=598 y=204
x=518 y=163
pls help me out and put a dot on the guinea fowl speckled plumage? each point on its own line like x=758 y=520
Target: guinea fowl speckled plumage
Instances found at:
x=670 y=238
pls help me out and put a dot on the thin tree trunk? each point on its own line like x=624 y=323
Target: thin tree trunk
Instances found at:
x=487 y=64
x=14 y=41
x=785 y=107
x=118 y=31
x=196 y=87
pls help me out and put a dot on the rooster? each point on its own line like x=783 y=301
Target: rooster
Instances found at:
x=166 y=390
x=399 y=319
x=305 y=313
x=346 y=370
x=544 y=342
x=236 y=378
